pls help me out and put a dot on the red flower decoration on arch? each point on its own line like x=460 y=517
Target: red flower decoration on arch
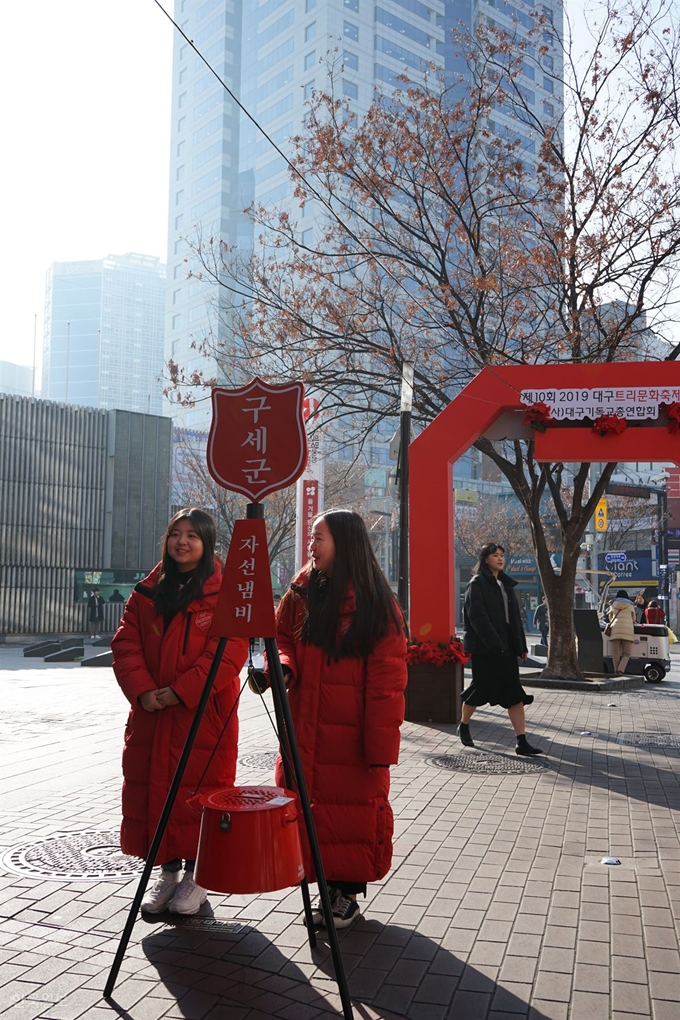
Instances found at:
x=610 y=425
x=538 y=417
x=672 y=412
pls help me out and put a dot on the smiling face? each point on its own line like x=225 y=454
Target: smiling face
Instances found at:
x=496 y=561
x=322 y=547
x=185 y=546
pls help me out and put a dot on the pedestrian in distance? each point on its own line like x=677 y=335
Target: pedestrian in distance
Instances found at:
x=621 y=630
x=640 y=607
x=541 y=621
x=95 y=613
x=495 y=639
x=654 y=613
x=162 y=653
x=342 y=643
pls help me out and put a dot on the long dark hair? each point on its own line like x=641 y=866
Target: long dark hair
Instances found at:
x=170 y=598
x=354 y=568
x=487 y=550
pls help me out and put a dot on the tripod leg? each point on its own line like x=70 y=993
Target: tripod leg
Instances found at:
x=280 y=696
x=163 y=820
x=291 y=784
x=307 y=905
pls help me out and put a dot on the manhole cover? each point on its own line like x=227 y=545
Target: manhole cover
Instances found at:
x=259 y=760
x=487 y=764
x=649 y=739
x=74 y=856
x=206 y=924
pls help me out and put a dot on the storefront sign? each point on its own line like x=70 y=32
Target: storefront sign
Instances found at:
x=113 y=585
x=635 y=568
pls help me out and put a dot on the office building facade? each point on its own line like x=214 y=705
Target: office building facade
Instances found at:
x=16 y=379
x=104 y=333
x=84 y=503
x=273 y=54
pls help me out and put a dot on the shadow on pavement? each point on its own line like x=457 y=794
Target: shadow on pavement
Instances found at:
x=392 y=972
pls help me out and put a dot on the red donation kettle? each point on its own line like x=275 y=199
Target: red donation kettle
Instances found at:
x=250 y=840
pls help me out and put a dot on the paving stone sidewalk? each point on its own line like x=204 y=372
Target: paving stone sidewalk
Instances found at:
x=497 y=906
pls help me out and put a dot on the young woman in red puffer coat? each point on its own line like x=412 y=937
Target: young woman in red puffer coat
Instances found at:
x=162 y=653
x=342 y=643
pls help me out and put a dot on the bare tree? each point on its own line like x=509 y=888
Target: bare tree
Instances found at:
x=459 y=227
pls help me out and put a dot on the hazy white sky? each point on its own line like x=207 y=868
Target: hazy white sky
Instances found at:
x=86 y=111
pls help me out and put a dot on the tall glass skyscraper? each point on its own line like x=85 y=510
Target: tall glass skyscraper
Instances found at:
x=273 y=54
x=104 y=333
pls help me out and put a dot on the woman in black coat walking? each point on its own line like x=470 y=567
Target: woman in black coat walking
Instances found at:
x=495 y=638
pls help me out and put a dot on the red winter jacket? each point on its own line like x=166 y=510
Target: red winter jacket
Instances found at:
x=654 y=614
x=145 y=655
x=347 y=715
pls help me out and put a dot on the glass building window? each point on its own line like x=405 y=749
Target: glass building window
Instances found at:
x=180 y=124
x=416 y=7
x=310 y=59
x=180 y=148
x=352 y=5
x=179 y=197
x=183 y=75
x=176 y=319
x=180 y=172
x=309 y=5
x=384 y=17
x=182 y=99
x=176 y=295
x=307 y=237
x=350 y=61
x=350 y=31
x=178 y=221
x=310 y=31
x=177 y=272
x=308 y=89
x=350 y=90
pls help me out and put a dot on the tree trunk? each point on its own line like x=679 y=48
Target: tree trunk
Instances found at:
x=562 y=659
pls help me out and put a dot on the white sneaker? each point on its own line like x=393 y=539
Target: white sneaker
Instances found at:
x=189 y=897
x=317 y=908
x=161 y=892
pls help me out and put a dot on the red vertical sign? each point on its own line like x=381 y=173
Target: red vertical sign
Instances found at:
x=245 y=606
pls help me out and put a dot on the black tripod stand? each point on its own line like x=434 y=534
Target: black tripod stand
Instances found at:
x=294 y=778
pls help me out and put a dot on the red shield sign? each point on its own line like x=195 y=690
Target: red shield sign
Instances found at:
x=258 y=440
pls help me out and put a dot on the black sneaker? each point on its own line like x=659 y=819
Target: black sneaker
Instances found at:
x=527 y=749
x=345 y=911
x=317 y=908
x=464 y=734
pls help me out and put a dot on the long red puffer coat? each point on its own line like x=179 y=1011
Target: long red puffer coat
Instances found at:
x=146 y=655
x=347 y=715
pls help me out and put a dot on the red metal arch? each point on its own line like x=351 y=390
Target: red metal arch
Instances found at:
x=474 y=410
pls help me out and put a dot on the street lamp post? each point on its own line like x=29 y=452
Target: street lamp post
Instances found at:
x=68 y=354
x=402 y=476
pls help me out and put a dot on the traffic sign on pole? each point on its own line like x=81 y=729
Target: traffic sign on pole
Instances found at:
x=601 y=516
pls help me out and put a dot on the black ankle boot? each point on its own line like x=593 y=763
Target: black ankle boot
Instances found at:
x=524 y=747
x=464 y=734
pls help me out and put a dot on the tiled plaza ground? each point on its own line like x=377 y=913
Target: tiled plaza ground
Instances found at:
x=497 y=906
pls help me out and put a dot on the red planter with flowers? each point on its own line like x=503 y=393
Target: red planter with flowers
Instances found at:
x=435 y=681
